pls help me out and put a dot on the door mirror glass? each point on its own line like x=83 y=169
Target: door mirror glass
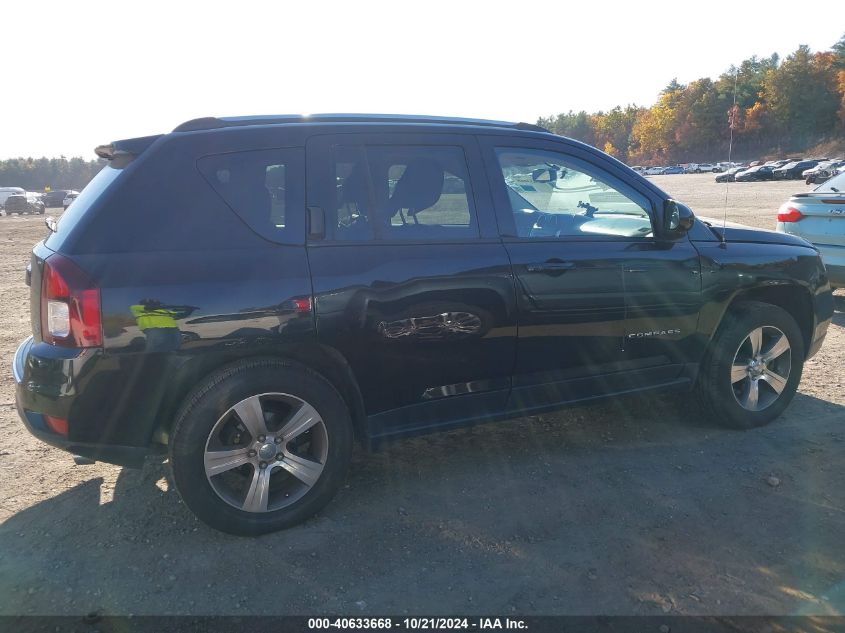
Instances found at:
x=677 y=218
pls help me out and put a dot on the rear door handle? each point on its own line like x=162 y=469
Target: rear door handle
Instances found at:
x=553 y=265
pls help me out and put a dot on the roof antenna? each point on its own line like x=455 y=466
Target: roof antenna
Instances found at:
x=732 y=123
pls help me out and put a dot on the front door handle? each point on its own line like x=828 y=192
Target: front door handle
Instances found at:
x=552 y=265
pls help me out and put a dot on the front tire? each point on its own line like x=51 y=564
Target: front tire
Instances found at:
x=753 y=368
x=260 y=446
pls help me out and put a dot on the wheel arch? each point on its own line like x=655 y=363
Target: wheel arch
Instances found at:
x=794 y=298
x=324 y=360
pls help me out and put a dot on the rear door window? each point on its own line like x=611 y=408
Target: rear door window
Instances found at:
x=403 y=192
x=265 y=188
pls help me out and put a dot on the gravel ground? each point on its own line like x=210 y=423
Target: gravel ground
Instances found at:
x=621 y=508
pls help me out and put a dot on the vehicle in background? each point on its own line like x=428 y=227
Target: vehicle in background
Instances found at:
x=753 y=174
x=755 y=163
x=54 y=197
x=728 y=176
x=793 y=170
x=819 y=217
x=5 y=192
x=639 y=169
x=774 y=164
x=673 y=169
x=20 y=203
x=703 y=168
x=70 y=197
x=654 y=171
x=822 y=171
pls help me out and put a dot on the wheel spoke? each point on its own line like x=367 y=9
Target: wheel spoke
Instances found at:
x=751 y=395
x=756 y=339
x=738 y=372
x=780 y=347
x=776 y=381
x=307 y=471
x=217 y=462
x=303 y=419
x=259 y=491
x=252 y=416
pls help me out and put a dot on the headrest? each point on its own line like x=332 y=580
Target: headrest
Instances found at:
x=419 y=187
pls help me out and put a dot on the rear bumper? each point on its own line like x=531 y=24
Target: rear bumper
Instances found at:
x=46 y=383
x=836 y=275
x=834 y=262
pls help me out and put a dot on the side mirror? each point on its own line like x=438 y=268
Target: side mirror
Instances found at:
x=677 y=218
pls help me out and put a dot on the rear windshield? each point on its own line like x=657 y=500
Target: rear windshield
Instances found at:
x=834 y=185
x=81 y=203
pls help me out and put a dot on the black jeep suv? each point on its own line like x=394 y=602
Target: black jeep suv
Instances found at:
x=255 y=293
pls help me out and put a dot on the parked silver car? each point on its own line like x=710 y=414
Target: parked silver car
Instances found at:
x=69 y=198
x=822 y=171
x=819 y=217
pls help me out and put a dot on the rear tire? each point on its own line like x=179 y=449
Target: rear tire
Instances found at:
x=260 y=445
x=752 y=370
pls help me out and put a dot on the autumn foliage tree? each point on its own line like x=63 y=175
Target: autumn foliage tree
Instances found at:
x=768 y=104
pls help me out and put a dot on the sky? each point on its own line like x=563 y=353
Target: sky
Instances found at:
x=87 y=73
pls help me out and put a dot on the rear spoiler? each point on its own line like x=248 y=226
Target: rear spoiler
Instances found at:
x=129 y=147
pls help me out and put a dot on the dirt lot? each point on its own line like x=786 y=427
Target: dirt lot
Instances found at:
x=620 y=508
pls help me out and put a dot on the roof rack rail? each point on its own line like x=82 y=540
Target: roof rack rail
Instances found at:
x=533 y=127
x=214 y=123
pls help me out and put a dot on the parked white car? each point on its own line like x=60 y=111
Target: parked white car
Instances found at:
x=5 y=192
x=704 y=168
x=654 y=171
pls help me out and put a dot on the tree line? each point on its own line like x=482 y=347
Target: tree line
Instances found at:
x=781 y=107
x=37 y=174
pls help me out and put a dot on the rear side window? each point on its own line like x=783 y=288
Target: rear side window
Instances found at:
x=265 y=188
x=403 y=193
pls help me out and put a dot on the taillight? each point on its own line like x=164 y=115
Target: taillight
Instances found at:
x=70 y=305
x=789 y=214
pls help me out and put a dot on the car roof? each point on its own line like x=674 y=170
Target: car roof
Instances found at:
x=213 y=123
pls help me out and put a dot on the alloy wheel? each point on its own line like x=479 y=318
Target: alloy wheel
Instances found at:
x=266 y=452
x=761 y=367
